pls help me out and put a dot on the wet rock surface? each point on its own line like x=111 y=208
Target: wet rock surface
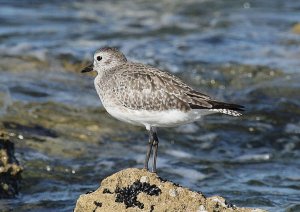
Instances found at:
x=139 y=190
x=10 y=170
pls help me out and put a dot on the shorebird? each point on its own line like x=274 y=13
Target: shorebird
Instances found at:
x=144 y=95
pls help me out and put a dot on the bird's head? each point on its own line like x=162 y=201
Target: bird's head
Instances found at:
x=105 y=59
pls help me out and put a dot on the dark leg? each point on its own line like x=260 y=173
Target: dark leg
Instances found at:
x=149 y=150
x=155 y=149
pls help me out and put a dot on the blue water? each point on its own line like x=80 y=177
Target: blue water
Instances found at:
x=239 y=51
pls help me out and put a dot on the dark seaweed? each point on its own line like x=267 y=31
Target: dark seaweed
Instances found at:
x=128 y=195
x=107 y=191
x=98 y=205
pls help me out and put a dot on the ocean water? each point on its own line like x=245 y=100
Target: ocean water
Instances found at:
x=238 y=51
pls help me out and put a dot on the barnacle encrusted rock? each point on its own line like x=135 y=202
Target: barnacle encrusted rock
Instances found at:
x=10 y=171
x=139 y=190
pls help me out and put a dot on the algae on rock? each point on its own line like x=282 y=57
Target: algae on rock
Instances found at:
x=139 y=190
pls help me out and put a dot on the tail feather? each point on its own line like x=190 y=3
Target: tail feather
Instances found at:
x=222 y=107
x=226 y=108
x=227 y=112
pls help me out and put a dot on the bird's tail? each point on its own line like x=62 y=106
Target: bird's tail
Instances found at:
x=226 y=108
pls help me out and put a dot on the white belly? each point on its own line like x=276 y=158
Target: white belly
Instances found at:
x=168 y=118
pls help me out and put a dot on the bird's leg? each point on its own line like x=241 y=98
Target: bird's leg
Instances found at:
x=155 y=149
x=149 y=150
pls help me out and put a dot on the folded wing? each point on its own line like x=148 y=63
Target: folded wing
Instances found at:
x=151 y=89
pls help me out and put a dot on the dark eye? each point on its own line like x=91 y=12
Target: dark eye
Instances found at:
x=99 y=58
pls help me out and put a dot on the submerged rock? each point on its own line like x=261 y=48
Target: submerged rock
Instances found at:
x=10 y=171
x=139 y=190
x=22 y=63
x=296 y=28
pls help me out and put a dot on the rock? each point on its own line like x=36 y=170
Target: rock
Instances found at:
x=22 y=63
x=296 y=28
x=139 y=190
x=10 y=171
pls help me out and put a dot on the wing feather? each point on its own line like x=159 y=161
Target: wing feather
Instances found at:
x=141 y=87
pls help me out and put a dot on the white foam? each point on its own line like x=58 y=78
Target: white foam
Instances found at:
x=254 y=157
x=187 y=128
x=179 y=154
x=191 y=175
x=292 y=128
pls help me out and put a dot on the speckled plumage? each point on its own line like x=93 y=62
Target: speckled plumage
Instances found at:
x=142 y=87
x=143 y=95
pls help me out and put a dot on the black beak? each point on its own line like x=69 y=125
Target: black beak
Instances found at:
x=88 y=68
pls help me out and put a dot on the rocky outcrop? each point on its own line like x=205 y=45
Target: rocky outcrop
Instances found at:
x=10 y=171
x=139 y=190
x=296 y=28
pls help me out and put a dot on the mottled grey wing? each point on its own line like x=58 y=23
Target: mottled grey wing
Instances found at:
x=151 y=89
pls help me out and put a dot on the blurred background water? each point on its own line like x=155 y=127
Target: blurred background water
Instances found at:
x=240 y=51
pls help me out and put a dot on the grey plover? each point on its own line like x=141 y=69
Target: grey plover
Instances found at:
x=144 y=95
